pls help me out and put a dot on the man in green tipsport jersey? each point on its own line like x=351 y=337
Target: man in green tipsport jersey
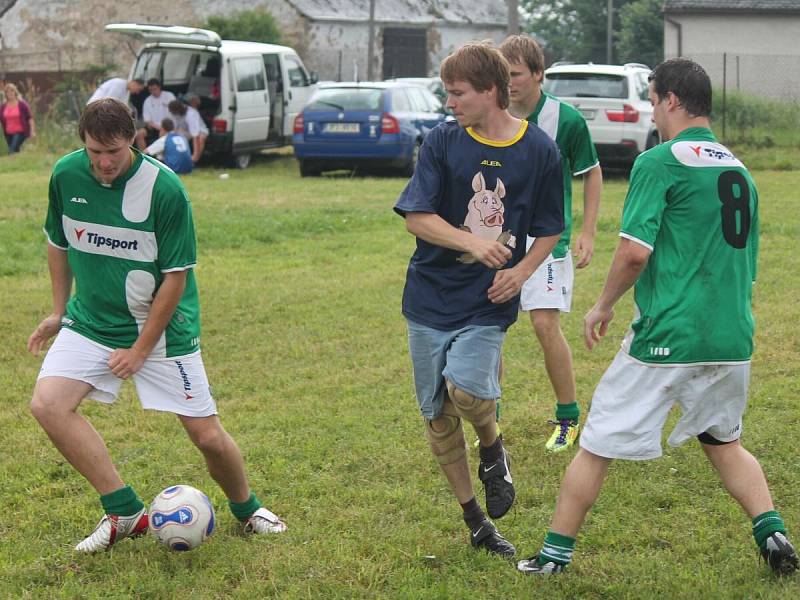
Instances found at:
x=689 y=248
x=548 y=292
x=120 y=224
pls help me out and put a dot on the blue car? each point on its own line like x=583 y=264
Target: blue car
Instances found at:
x=358 y=125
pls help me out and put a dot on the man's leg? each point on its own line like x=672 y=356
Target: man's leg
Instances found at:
x=743 y=478
x=54 y=405
x=558 y=364
x=226 y=466
x=579 y=490
x=140 y=139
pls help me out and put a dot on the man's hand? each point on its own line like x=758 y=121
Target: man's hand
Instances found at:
x=125 y=362
x=49 y=327
x=597 y=314
x=507 y=284
x=584 y=249
x=493 y=254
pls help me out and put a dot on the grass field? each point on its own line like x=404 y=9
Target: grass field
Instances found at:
x=300 y=281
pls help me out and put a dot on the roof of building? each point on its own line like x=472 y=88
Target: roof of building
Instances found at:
x=732 y=6
x=405 y=11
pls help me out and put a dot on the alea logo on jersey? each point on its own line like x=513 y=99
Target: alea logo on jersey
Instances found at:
x=78 y=200
x=491 y=163
x=101 y=240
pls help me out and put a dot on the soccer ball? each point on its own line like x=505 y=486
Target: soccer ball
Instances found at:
x=181 y=517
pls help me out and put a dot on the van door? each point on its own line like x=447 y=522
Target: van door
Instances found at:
x=251 y=119
x=272 y=64
x=300 y=89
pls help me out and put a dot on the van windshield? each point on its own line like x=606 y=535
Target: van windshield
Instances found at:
x=347 y=99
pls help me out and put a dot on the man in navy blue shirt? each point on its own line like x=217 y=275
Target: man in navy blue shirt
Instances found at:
x=482 y=184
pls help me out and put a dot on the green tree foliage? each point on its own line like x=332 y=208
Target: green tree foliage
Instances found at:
x=256 y=25
x=641 y=34
x=576 y=29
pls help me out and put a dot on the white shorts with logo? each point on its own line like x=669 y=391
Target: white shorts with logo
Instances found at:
x=633 y=399
x=178 y=385
x=550 y=286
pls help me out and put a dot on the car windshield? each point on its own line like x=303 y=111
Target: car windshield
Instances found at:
x=347 y=99
x=586 y=85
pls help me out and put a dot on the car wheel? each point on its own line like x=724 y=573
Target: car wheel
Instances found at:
x=241 y=161
x=308 y=169
x=653 y=140
x=408 y=169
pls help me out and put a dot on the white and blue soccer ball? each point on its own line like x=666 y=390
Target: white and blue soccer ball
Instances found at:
x=181 y=517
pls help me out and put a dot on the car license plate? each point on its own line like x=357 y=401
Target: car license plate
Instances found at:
x=341 y=128
x=588 y=113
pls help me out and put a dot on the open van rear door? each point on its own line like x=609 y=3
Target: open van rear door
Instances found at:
x=167 y=33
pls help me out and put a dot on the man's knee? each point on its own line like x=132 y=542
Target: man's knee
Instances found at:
x=446 y=436
x=475 y=411
x=546 y=322
x=48 y=402
x=209 y=440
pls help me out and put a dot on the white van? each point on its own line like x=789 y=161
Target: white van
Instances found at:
x=250 y=92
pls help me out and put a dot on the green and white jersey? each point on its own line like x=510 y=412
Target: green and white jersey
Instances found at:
x=120 y=240
x=566 y=126
x=694 y=204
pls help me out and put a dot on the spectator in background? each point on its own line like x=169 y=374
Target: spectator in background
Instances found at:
x=118 y=88
x=154 y=110
x=171 y=148
x=189 y=123
x=16 y=118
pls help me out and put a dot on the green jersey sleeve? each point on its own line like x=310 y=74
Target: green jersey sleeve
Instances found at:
x=174 y=229
x=752 y=243
x=646 y=200
x=54 y=225
x=582 y=153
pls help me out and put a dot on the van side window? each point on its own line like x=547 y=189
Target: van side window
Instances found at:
x=249 y=74
x=297 y=74
x=148 y=66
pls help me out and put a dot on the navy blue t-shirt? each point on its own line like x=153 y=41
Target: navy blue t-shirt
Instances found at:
x=512 y=189
x=176 y=154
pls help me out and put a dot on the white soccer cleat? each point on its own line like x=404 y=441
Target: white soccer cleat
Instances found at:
x=113 y=528
x=264 y=521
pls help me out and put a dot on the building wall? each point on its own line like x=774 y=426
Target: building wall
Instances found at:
x=759 y=53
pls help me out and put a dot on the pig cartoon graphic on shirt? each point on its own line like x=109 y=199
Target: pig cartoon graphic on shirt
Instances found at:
x=485 y=215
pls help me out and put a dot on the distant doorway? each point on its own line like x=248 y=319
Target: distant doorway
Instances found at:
x=405 y=52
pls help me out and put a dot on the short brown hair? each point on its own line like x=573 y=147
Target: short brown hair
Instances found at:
x=107 y=120
x=176 y=107
x=480 y=65
x=523 y=49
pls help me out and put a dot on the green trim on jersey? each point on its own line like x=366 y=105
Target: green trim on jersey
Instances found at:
x=695 y=205
x=566 y=126
x=120 y=240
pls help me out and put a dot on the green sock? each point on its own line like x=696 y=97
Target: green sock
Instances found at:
x=557 y=548
x=243 y=510
x=121 y=502
x=567 y=411
x=765 y=524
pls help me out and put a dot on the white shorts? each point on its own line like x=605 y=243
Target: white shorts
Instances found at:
x=550 y=286
x=632 y=401
x=178 y=385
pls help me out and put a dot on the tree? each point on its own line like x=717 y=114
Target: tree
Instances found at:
x=641 y=34
x=256 y=25
x=576 y=29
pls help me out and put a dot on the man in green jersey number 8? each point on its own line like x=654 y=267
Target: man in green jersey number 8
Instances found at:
x=689 y=247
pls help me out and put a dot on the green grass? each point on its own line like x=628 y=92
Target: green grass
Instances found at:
x=300 y=281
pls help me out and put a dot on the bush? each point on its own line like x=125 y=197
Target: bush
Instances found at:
x=755 y=121
x=256 y=25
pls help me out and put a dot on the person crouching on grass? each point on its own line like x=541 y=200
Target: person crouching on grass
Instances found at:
x=120 y=224
x=482 y=184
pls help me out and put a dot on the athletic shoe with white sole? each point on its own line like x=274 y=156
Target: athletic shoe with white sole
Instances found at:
x=496 y=478
x=487 y=537
x=564 y=436
x=264 y=521
x=532 y=566
x=113 y=528
x=779 y=554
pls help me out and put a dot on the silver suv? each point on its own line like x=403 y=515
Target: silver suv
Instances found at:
x=613 y=100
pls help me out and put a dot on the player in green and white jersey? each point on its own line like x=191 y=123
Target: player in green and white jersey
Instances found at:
x=689 y=247
x=548 y=292
x=120 y=224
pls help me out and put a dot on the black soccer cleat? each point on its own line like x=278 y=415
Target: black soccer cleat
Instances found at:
x=499 y=487
x=486 y=536
x=779 y=554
